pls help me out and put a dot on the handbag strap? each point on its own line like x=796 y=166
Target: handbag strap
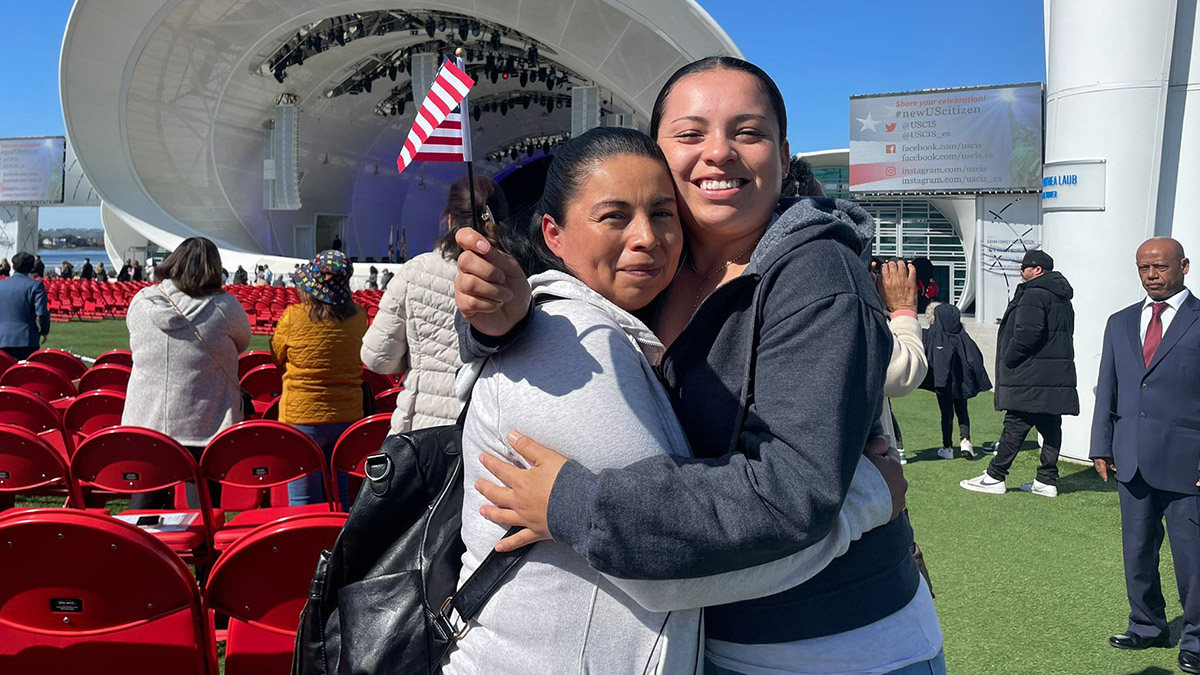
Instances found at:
x=478 y=588
x=203 y=344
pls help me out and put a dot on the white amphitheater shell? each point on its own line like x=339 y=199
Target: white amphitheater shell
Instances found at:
x=165 y=103
x=1123 y=86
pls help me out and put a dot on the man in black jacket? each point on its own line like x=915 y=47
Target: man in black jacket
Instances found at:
x=1035 y=374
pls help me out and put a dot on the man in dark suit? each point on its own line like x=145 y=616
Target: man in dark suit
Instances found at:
x=87 y=272
x=23 y=313
x=1146 y=431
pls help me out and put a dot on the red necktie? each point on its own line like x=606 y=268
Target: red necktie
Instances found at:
x=1153 y=332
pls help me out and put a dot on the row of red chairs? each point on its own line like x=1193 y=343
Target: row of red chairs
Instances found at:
x=83 y=592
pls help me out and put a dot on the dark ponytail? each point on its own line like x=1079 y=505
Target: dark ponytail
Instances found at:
x=572 y=164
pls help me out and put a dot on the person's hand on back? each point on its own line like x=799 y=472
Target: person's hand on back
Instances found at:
x=490 y=290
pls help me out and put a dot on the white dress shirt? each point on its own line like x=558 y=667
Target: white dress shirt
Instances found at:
x=1173 y=304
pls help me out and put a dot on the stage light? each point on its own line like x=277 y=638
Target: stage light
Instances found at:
x=280 y=75
x=559 y=103
x=549 y=83
x=513 y=153
x=462 y=30
x=525 y=102
x=441 y=26
x=549 y=105
x=495 y=39
x=392 y=72
x=504 y=107
x=299 y=57
x=430 y=27
x=494 y=76
x=475 y=28
x=367 y=85
x=546 y=147
x=529 y=150
x=476 y=113
x=532 y=55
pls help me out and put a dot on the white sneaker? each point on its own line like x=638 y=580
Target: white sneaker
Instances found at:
x=967 y=449
x=1037 y=487
x=984 y=483
x=989 y=448
x=946 y=453
x=903 y=458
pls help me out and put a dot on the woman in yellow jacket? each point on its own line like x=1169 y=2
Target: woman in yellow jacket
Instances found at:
x=316 y=344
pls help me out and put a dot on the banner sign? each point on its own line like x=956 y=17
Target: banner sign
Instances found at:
x=1074 y=186
x=961 y=141
x=31 y=170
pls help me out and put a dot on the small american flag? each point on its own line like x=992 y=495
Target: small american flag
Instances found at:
x=441 y=133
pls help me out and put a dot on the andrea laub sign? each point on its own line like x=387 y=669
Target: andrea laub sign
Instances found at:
x=1073 y=186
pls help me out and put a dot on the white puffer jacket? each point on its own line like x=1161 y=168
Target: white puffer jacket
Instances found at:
x=414 y=331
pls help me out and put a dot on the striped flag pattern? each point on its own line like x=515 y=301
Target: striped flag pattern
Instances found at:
x=427 y=137
x=445 y=144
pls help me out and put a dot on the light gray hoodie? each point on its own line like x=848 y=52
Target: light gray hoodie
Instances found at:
x=582 y=382
x=177 y=386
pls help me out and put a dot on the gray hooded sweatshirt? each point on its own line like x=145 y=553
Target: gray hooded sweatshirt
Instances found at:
x=177 y=386
x=582 y=382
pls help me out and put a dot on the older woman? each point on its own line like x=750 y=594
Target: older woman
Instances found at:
x=776 y=358
x=185 y=333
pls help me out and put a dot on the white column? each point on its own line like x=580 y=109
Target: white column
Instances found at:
x=18 y=230
x=1108 y=103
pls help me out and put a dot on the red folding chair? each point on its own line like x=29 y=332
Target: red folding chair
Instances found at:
x=122 y=357
x=92 y=411
x=64 y=362
x=363 y=438
x=110 y=376
x=261 y=583
x=264 y=384
x=24 y=409
x=253 y=359
x=83 y=593
x=378 y=383
x=131 y=460
x=47 y=383
x=385 y=401
x=260 y=455
x=6 y=361
x=29 y=465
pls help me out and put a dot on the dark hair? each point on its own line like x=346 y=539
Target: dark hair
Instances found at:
x=319 y=310
x=572 y=164
x=722 y=63
x=800 y=181
x=194 y=266
x=22 y=263
x=458 y=207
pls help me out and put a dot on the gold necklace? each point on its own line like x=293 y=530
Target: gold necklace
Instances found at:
x=722 y=268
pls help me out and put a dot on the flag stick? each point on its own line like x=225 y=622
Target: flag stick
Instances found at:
x=461 y=54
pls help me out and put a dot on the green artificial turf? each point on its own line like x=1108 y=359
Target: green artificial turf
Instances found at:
x=92 y=338
x=1025 y=585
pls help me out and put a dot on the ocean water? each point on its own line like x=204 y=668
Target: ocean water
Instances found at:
x=54 y=257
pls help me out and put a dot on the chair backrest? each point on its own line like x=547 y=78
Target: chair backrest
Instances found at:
x=29 y=411
x=92 y=411
x=363 y=438
x=378 y=383
x=85 y=593
x=6 y=361
x=253 y=359
x=64 y=362
x=28 y=462
x=263 y=578
x=122 y=357
x=385 y=402
x=111 y=376
x=263 y=383
x=134 y=459
x=262 y=454
x=37 y=378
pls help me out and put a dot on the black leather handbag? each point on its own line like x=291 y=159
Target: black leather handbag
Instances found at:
x=383 y=600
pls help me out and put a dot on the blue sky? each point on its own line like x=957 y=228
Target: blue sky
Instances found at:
x=820 y=53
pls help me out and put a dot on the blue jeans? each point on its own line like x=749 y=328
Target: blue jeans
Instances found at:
x=934 y=666
x=310 y=489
